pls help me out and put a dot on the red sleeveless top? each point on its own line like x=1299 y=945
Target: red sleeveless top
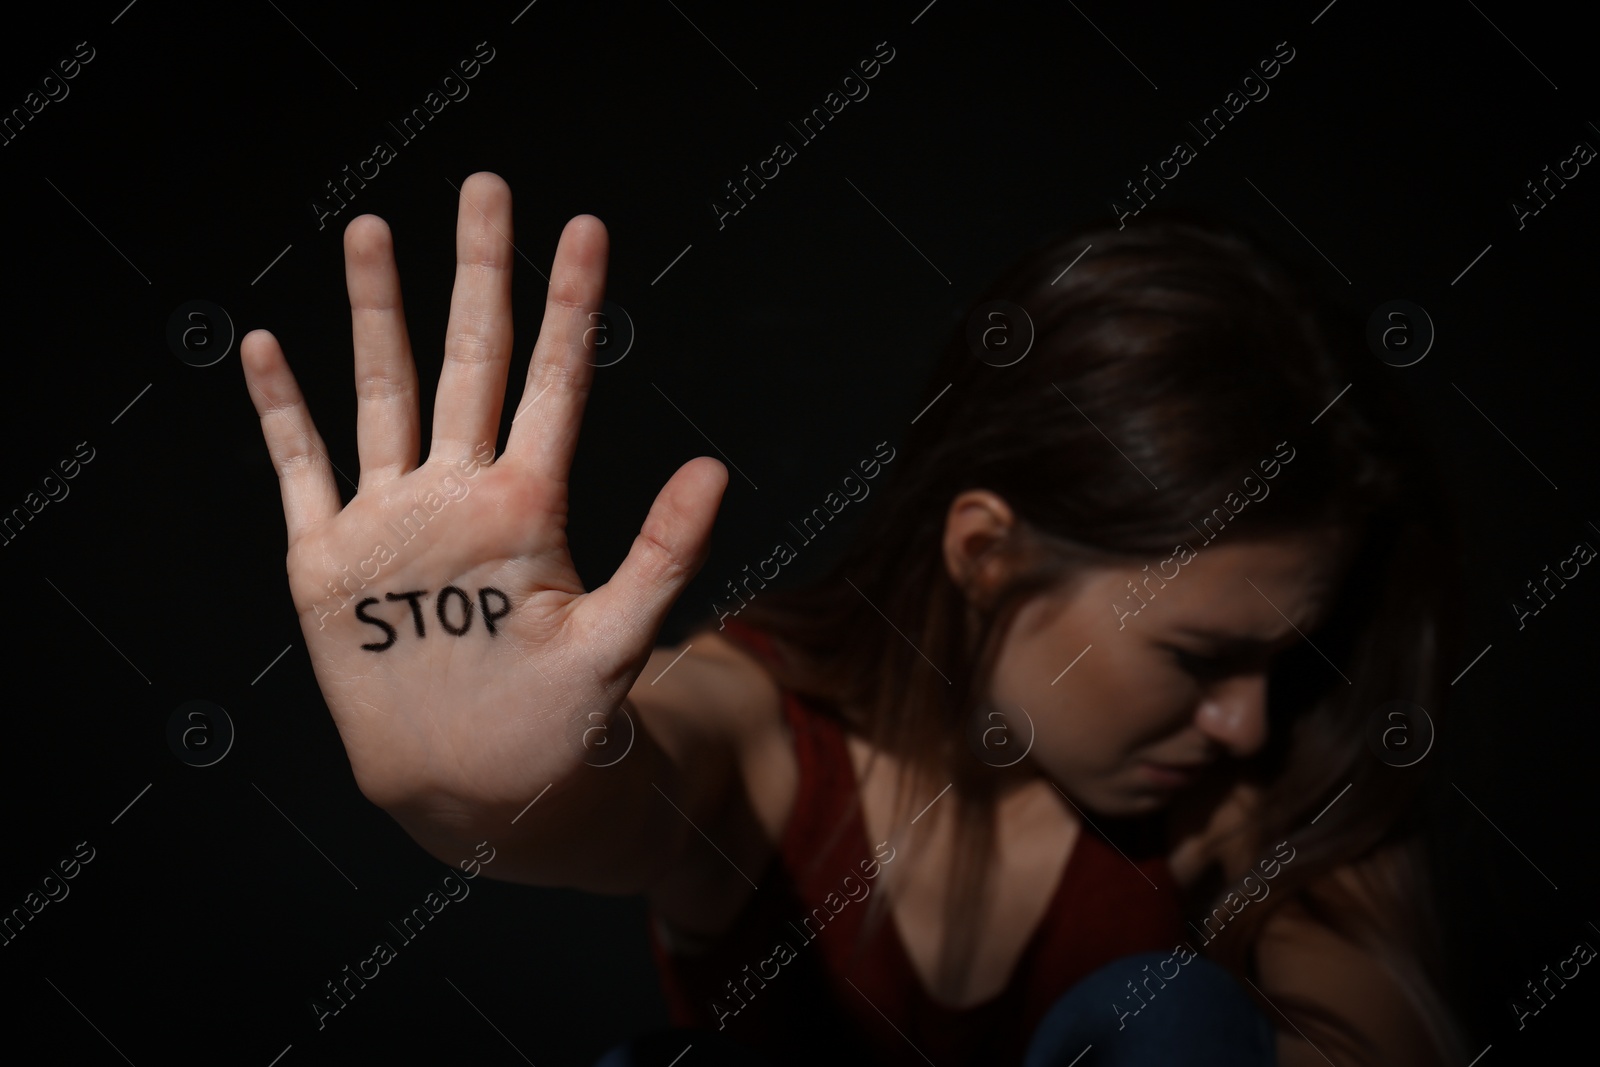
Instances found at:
x=790 y=981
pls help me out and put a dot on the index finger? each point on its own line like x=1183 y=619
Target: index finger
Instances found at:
x=305 y=473
x=544 y=432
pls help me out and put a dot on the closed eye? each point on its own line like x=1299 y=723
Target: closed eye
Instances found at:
x=1198 y=665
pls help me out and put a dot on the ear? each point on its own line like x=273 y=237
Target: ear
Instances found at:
x=977 y=521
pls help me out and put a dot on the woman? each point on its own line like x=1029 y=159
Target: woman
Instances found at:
x=1116 y=616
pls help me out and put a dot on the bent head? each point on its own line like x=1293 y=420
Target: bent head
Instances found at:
x=1157 y=448
x=1134 y=679
x=1149 y=509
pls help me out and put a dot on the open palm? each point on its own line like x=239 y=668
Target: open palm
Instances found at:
x=453 y=641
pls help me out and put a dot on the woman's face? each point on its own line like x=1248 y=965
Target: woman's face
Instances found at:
x=1132 y=695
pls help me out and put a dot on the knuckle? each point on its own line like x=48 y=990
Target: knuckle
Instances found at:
x=486 y=258
x=669 y=565
x=382 y=384
x=470 y=346
x=567 y=298
x=292 y=463
x=382 y=307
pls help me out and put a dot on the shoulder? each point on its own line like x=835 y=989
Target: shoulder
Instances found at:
x=709 y=685
x=1351 y=1005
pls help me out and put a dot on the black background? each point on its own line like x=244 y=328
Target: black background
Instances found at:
x=186 y=158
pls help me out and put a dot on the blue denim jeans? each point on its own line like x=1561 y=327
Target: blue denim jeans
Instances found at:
x=1201 y=1017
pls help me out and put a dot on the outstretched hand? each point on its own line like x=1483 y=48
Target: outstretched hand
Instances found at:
x=453 y=641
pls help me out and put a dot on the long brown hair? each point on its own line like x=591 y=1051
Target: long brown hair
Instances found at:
x=1186 y=348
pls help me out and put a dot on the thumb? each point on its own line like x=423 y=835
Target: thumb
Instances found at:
x=670 y=549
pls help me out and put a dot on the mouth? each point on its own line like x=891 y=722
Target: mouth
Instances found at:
x=1170 y=775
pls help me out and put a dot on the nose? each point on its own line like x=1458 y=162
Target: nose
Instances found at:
x=1233 y=713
